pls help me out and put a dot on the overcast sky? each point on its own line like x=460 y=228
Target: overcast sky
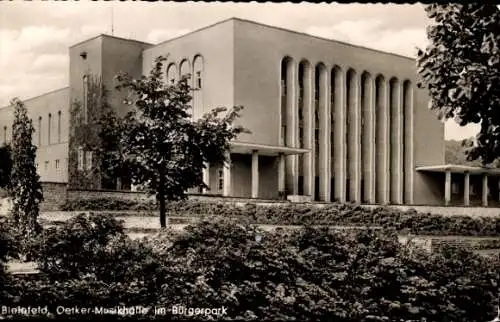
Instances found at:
x=34 y=36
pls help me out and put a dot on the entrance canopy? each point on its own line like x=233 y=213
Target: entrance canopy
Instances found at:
x=453 y=168
x=268 y=150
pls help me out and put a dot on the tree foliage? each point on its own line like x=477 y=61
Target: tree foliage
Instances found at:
x=307 y=274
x=112 y=163
x=461 y=70
x=165 y=147
x=5 y=166
x=25 y=187
x=98 y=132
x=456 y=152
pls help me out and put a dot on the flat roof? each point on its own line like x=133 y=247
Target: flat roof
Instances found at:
x=285 y=30
x=111 y=36
x=456 y=168
x=263 y=149
x=25 y=100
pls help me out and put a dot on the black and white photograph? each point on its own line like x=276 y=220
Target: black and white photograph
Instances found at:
x=231 y=161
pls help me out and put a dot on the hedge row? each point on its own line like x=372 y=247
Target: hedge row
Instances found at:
x=99 y=204
x=306 y=214
x=305 y=275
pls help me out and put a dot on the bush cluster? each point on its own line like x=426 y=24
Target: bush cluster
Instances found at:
x=100 y=204
x=410 y=221
x=310 y=274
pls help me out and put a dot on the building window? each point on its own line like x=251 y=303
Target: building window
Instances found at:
x=80 y=158
x=59 y=127
x=198 y=80
x=49 y=125
x=88 y=160
x=46 y=165
x=220 y=185
x=171 y=73
x=455 y=189
x=5 y=135
x=57 y=163
x=39 y=131
x=85 y=97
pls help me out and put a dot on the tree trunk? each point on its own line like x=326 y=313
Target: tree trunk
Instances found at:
x=161 y=200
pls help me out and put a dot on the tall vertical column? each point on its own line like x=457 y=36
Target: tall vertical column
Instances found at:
x=368 y=138
x=399 y=145
x=408 y=130
x=309 y=126
x=324 y=135
x=387 y=144
x=395 y=141
x=354 y=137
x=281 y=174
x=292 y=183
x=466 y=188
x=485 y=190
x=340 y=142
x=447 y=188
x=206 y=177
x=226 y=172
x=255 y=174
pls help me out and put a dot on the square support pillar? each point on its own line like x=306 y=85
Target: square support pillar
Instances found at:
x=447 y=188
x=281 y=174
x=485 y=190
x=466 y=189
x=227 y=176
x=206 y=177
x=255 y=174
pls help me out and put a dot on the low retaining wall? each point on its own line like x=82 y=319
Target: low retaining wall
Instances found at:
x=54 y=195
x=73 y=194
x=448 y=211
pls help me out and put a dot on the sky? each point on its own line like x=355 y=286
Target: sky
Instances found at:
x=35 y=36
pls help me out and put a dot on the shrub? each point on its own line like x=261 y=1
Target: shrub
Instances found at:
x=342 y=214
x=77 y=246
x=310 y=274
x=99 y=204
x=307 y=214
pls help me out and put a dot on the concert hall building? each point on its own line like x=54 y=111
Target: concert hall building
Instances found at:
x=329 y=121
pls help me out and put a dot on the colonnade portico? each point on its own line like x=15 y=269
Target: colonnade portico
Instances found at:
x=487 y=176
x=357 y=126
x=256 y=151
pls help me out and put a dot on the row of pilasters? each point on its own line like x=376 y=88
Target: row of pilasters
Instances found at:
x=375 y=154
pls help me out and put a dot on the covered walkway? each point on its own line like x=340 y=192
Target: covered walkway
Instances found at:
x=476 y=181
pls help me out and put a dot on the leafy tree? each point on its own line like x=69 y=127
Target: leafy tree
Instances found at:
x=456 y=152
x=110 y=150
x=5 y=166
x=461 y=70
x=25 y=187
x=166 y=148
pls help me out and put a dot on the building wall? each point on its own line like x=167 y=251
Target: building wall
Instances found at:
x=429 y=149
x=101 y=58
x=120 y=56
x=259 y=51
x=215 y=45
x=52 y=153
